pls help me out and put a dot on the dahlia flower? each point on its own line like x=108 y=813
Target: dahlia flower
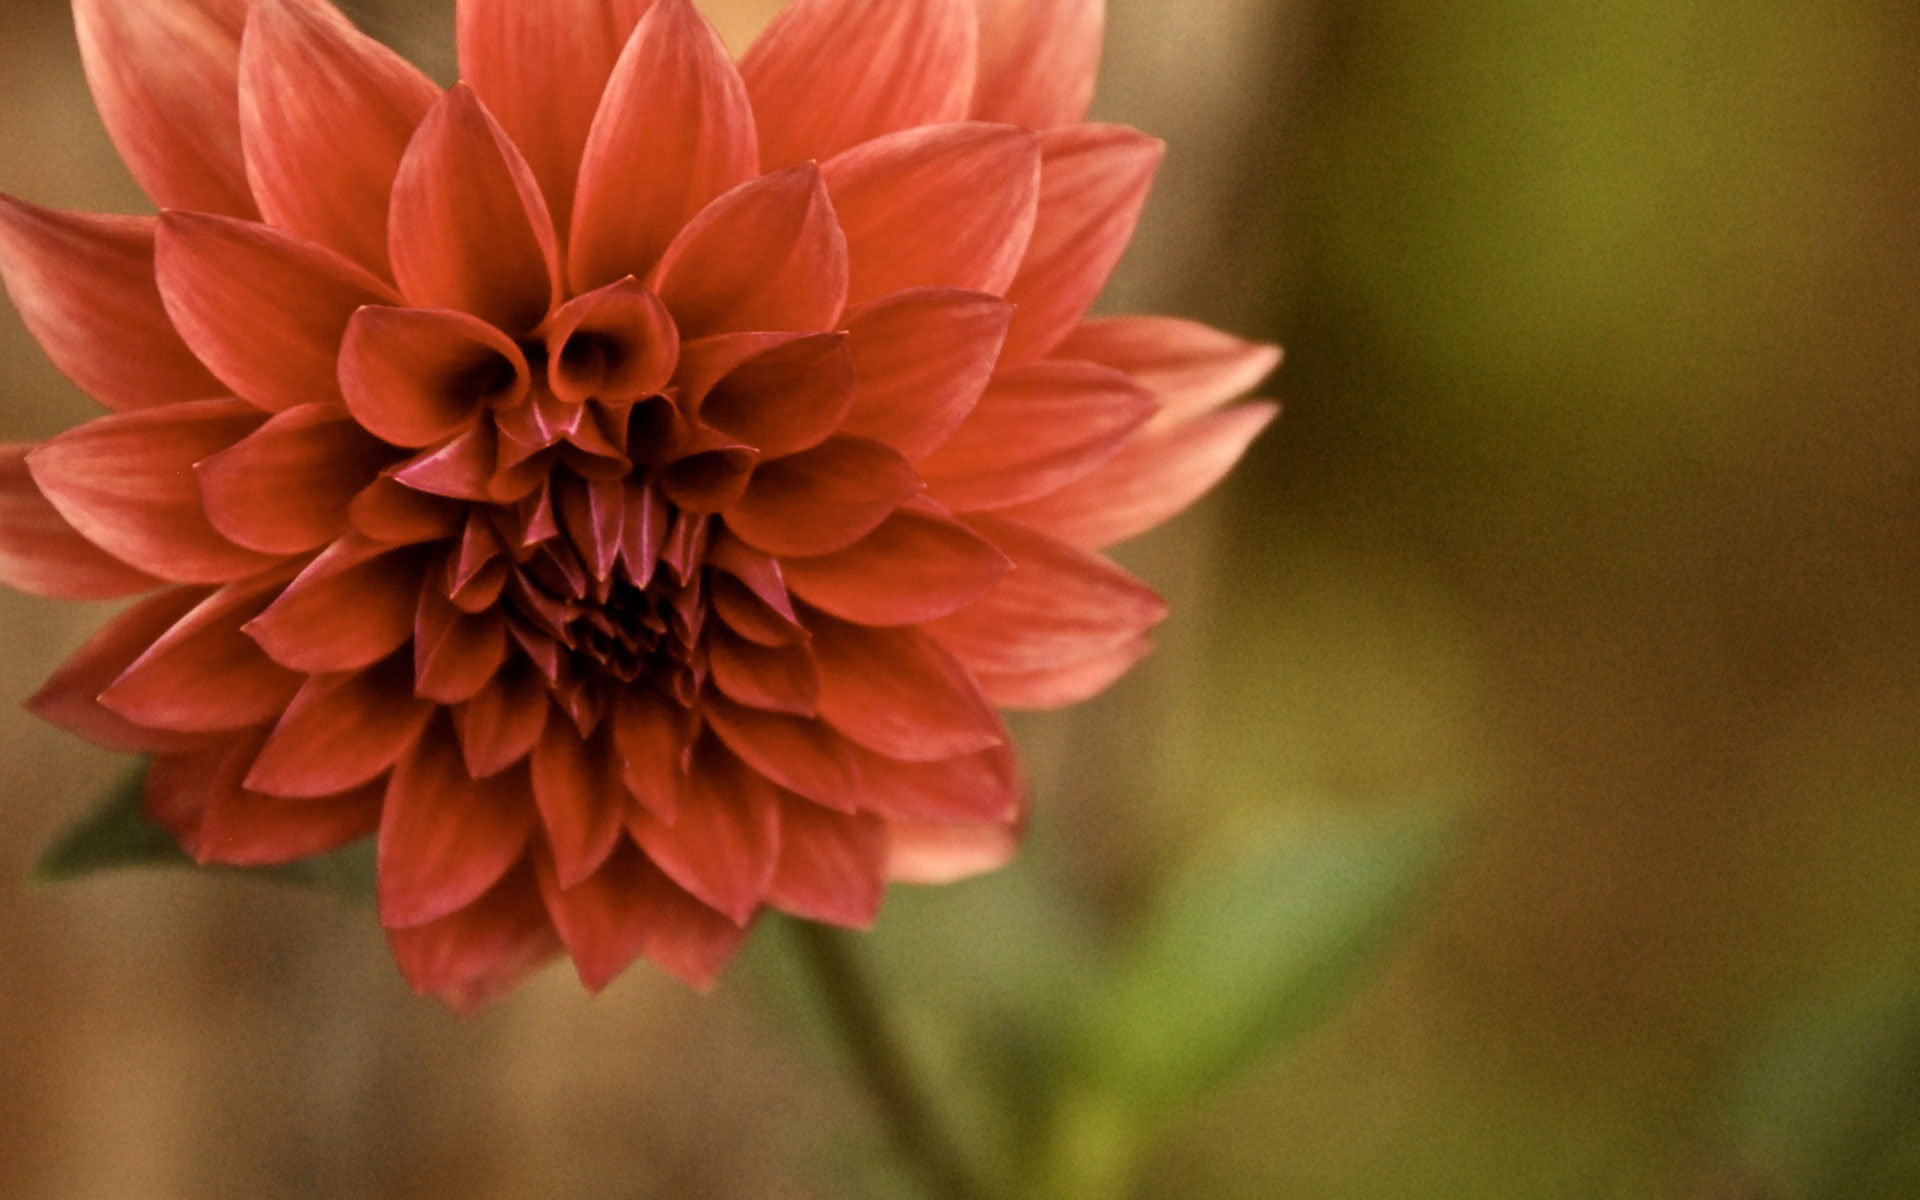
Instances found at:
x=627 y=484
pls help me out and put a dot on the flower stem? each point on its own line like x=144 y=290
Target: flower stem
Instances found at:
x=901 y=1103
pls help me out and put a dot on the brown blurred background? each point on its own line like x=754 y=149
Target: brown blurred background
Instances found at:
x=1594 y=508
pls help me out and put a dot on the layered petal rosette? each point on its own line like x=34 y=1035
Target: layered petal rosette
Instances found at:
x=627 y=484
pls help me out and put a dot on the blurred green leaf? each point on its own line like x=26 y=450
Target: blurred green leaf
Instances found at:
x=117 y=835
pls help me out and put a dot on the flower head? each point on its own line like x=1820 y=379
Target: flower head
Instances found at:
x=629 y=482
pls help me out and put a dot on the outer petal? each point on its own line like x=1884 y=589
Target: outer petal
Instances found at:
x=832 y=868
x=200 y=799
x=1093 y=183
x=674 y=131
x=918 y=564
x=603 y=920
x=1039 y=60
x=898 y=693
x=1188 y=367
x=948 y=853
x=341 y=731
x=42 y=554
x=1059 y=685
x=469 y=229
x=475 y=955
x=829 y=74
x=723 y=845
x=126 y=483
x=921 y=359
x=685 y=937
x=941 y=206
x=445 y=838
x=1153 y=477
x=325 y=116
x=822 y=500
x=204 y=675
x=350 y=608
x=1037 y=429
x=415 y=376
x=767 y=256
x=655 y=747
x=286 y=487
x=85 y=289
x=971 y=789
x=70 y=699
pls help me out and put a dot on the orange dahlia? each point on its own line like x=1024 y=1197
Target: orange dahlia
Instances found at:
x=627 y=484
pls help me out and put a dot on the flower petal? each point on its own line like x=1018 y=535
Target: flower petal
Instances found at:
x=829 y=74
x=604 y=919
x=503 y=722
x=801 y=755
x=325 y=116
x=766 y=256
x=684 y=937
x=204 y=675
x=832 y=868
x=1059 y=685
x=473 y=956
x=941 y=854
x=446 y=838
x=70 y=698
x=84 y=287
x=1093 y=183
x=985 y=786
x=786 y=399
x=977 y=185
x=617 y=343
x=350 y=608
x=582 y=802
x=778 y=679
x=725 y=840
x=42 y=554
x=542 y=69
x=469 y=229
x=1036 y=429
x=822 y=500
x=341 y=731
x=1188 y=367
x=656 y=749
x=922 y=358
x=126 y=482
x=1155 y=476
x=264 y=309
x=1039 y=60
x=199 y=797
x=897 y=692
x=918 y=564
x=415 y=376
x=286 y=487
x=455 y=654
x=674 y=131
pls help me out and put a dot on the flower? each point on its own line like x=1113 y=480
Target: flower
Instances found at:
x=627 y=483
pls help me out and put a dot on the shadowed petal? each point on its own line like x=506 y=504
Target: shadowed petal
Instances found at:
x=803 y=756
x=723 y=843
x=43 y=555
x=263 y=308
x=832 y=868
x=617 y=343
x=445 y=838
x=503 y=722
x=341 y=731
x=391 y=512
x=455 y=654
x=674 y=131
x=286 y=486
x=70 y=698
x=822 y=500
x=918 y=564
x=949 y=206
x=201 y=800
x=325 y=116
x=684 y=937
x=922 y=358
x=204 y=675
x=1188 y=367
x=350 y=608
x=582 y=802
x=786 y=399
x=415 y=376
x=469 y=229
x=84 y=288
x=1039 y=60
x=126 y=482
x=829 y=74
x=474 y=956
x=895 y=691
x=1093 y=183
x=656 y=748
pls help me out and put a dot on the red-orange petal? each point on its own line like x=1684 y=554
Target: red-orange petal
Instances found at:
x=286 y=487
x=822 y=500
x=415 y=376
x=350 y=608
x=446 y=838
x=1039 y=60
x=84 y=287
x=126 y=482
x=1058 y=685
x=1094 y=181
x=325 y=116
x=725 y=840
x=674 y=131
x=972 y=788
x=653 y=739
x=42 y=554
x=1036 y=429
x=455 y=653
x=1189 y=368
x=341 y=731
x=922 y=359
x=918 y=564
x=777 y=679
x=898 y=693
x=468 y=228
x=684 y=937
x=582 y=801
x=263 y=308
x=470 y=958
x=830 y=74
x=804 y=756
x=766 y=256
x=502 y=723
x=200 y=798
x=832 y=868
x=70 y=699
x=788 y=398
x=942 y=206
x=616 y=343
x=604 y=919
x=204 y=675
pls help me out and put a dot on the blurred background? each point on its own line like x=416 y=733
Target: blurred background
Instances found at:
x=1593 y=517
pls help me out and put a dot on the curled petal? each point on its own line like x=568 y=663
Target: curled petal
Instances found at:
x=264 y=309
x=1093 y=183
x=445 y=838
x=42 y=554
x=832 y=868
x=922 y=359
x=674 y=131
x=325 y=116
x=582 y=802
x=918 y=564
x=1188 y=367
x=896 y=692
x=71 y=698
x=341 y=731
x=469 y=229
x=84 y=287
x=1038 y=60
x=768 y=255
x=1036 y=429
x=475 y=955
x=822 y=500
x=829 y=74
x=617 y=343
x=350 y=608
x=977 y=185
x=204 y=674
x=415 y=376
x=286 y=487
x=126 y=482
x=725 y=840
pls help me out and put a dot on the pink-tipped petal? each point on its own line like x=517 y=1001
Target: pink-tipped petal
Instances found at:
x=786 y=399
x=766 y=256
x=445 y=838
x=830 y=74
x=350 y=608
x=325 y=116
x=723 y=844
x=341 y=731
x=126 y=482
x=286 y=487
x=472 y=957
x=1094 y=181
x=1190 y=368
x=204 y=675
x=972 y=788
x=940 y=854
x=832 y=868
x=823 y=500
x=582 y=802
x=71 y=698
x=1039 y=60
x=803 y=756
x=415 y=376
x=1036 y=429
x=898 y=693
x=922 y=359
x=42 y=554
x=84 y=287
x=918 y=564
x=977 y=185
x=263 y=308
x=674 y=131
x=1061 y=684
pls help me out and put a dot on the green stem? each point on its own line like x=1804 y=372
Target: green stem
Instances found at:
x=901 y=1103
